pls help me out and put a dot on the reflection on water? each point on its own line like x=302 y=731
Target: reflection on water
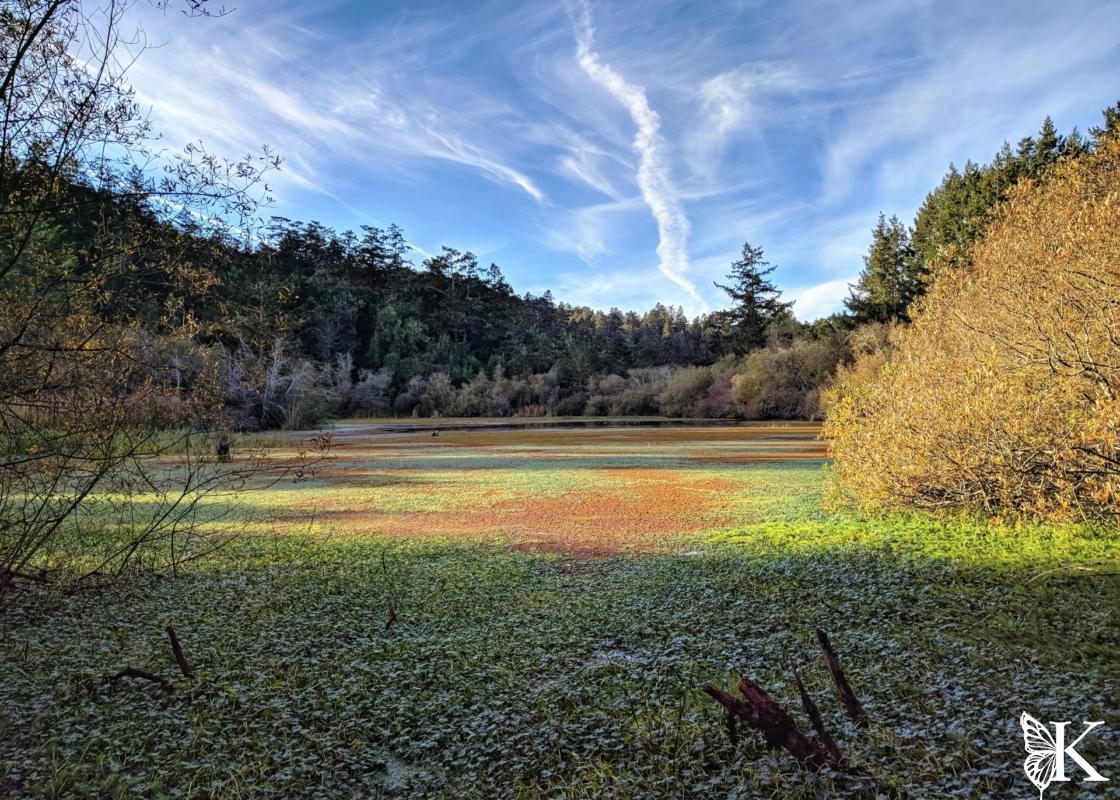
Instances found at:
x=350 y=429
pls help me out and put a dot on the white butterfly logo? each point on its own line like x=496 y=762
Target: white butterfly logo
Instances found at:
x=1046 y=753
x=1041 y=765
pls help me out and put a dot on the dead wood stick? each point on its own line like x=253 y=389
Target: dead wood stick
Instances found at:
x=815 y=717
x=392 y=601
x=782 y=729
x=392 y=613
x=177 y=649
x=843 y=690
x=759 y=711
x=132 y=672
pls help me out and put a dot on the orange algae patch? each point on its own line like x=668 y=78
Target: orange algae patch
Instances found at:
x=628 y=489
x=583 y=437
x=638 y=510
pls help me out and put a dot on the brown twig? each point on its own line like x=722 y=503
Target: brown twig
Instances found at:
x=132 y=672
x=843 y=690
x=177 y=649
x=815 y=717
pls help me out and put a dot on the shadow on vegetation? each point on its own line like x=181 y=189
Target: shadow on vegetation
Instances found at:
x=544 y=676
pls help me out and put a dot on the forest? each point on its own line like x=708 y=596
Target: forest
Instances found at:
x=300 y=323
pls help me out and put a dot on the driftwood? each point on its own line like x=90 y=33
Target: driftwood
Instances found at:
x=758 y=710
x=132 y=672
x=810 y=707
x=843 y=690
x=177 y=649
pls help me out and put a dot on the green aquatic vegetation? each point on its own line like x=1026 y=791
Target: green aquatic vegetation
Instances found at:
x=513 y=673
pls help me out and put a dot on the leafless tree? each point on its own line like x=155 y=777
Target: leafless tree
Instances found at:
x=105 y=413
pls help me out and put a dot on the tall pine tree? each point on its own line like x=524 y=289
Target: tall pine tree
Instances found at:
x=756 y=302
x=956 y=213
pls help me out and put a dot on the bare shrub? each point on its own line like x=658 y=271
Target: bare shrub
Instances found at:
x=105 y=400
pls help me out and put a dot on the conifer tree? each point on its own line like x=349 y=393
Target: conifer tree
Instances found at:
x=891 y=276
x=756 y=302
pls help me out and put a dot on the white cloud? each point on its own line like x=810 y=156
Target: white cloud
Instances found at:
x=631 y=289
x=454 y=149
x=732 y=102
x=961 y=96
x=653 y=172
x=359 y=106
x=777 y=123
x=582 y=165
x=585 y=231
x=820 y=300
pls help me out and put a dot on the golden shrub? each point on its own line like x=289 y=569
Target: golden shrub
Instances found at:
x=1004 y=394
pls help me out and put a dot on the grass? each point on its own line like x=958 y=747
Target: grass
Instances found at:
x=561 y=597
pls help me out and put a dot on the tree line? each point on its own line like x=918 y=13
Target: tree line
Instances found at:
x=137 y=324
x=312 y=322
x=301 y=322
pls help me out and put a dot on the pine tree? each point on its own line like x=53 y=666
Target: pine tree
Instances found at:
x=1110 y=125
x=756 y=301
x=891 y=278
x=956 y=213
x=1048 y=146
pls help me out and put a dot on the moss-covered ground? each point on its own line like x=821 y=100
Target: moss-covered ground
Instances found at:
x=561 y=597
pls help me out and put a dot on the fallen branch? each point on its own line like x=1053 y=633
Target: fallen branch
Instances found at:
x=843 y=690
x=132 y=672
x=815 y=717
x=177 y=649
x=759 y=711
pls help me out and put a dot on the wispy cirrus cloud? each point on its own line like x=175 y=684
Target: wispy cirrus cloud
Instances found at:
x=241 y=88
x=733 y=103
x=623 y=159
x=654 y=177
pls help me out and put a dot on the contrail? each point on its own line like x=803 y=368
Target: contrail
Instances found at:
x=653 y=173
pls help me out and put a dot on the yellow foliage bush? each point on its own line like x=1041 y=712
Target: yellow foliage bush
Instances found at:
x=1003 y=396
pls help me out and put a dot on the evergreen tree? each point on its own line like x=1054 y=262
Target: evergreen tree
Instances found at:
x=1110 y=125
x=756 y=302
x=891 y=278
x=957 y=212
x=1048 y=146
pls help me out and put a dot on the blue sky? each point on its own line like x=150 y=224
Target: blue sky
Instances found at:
x=620 y=153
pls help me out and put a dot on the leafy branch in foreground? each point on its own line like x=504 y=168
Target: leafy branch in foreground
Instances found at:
x=103 y=249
